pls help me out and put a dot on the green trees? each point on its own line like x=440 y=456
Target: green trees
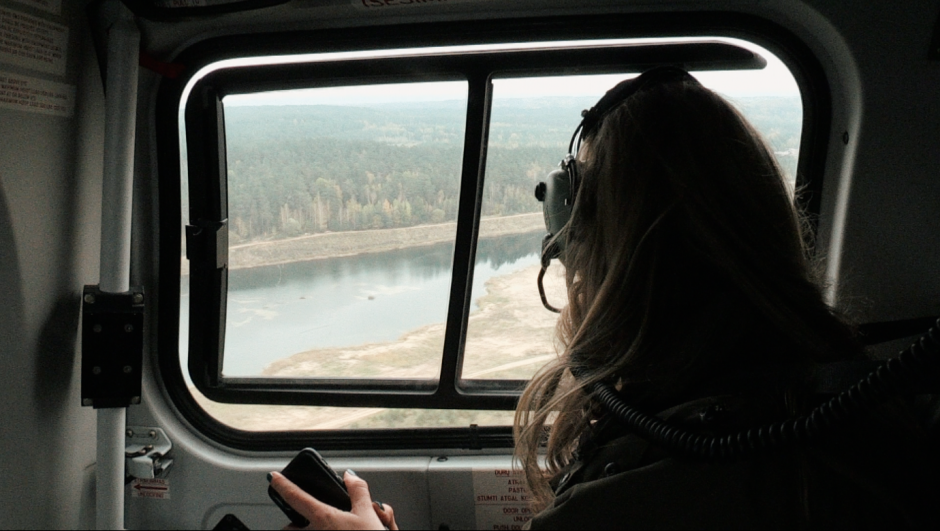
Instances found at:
x=296 y=170
x=283 y=183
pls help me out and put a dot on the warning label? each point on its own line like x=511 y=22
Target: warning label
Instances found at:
x=29 y=94
x=387 y=4
x=501 y=498
x=32 y=42
x=158 y=489
x=182 y=3
x=52 y=6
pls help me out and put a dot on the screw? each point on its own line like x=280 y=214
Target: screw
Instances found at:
x=129 y=433
x=96 y=329
x=138 y=298
x=89 y=298
x=127 y=369
x=135 y=400
x=128 y=328
x=441 y=459
x=96 y=370
x=87 y=402
x=153 y=434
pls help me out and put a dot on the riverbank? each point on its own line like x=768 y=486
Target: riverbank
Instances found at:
x=340 y=244
x=510 y=336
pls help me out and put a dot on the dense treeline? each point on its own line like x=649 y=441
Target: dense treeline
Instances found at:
x=292 y=189
x=297 y=170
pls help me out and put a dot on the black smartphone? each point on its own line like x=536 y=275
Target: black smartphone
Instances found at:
x=310 y=472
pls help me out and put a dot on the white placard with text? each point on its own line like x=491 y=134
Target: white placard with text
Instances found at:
x=32 y=42
x=155 y=489
x=501 y=498
x=382 y=5
x=23 y=93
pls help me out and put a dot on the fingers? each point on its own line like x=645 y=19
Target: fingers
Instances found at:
x=359 y=494
x=311 y=508
x=386 y=515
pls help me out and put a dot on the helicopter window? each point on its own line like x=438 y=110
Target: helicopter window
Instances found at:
x=361 y=234
x=342 y=217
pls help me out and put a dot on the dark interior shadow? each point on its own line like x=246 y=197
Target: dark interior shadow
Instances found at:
x=56 y=355
x=11 y=293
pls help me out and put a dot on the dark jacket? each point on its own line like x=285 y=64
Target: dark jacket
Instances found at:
x=867 y=478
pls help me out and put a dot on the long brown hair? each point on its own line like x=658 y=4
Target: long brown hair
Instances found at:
x=682 y=208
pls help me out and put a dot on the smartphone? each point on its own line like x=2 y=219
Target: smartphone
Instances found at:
x=310 y=472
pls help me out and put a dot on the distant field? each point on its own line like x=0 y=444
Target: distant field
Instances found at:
x=351 y=243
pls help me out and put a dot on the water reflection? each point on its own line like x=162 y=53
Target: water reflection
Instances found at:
x=277 y=311
x=503 y=250
x=420 y=263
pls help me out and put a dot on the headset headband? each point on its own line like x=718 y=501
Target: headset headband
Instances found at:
x=560 y=188
x=592 y=118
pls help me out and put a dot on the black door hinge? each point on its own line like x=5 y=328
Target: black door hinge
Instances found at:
x=112 y=347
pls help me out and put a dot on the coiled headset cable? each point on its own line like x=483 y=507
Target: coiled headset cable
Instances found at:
x=912 y=366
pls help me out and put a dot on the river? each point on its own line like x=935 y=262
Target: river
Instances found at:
x=277 y=311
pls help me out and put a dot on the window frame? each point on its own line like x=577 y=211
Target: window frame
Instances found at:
x=205 y=129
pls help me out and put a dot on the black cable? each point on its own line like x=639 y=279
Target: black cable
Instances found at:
x=916 y=363
x=542 y=292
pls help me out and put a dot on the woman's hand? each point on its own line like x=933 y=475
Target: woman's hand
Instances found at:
x=365 y=513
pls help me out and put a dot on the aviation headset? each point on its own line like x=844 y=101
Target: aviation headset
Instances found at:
x=560 y=190
x=915 y=366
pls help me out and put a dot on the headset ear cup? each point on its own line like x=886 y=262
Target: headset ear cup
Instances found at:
x=556 y=207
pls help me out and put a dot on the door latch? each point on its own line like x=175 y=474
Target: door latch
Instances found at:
x=145 y=452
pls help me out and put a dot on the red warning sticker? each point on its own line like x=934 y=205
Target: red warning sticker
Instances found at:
x=158 y=489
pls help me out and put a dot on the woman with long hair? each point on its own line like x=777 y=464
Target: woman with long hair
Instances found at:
x=690 y=291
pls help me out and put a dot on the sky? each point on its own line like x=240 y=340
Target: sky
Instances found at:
x=773 y=80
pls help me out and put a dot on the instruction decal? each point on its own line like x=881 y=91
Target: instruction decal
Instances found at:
x=157 y=489
x=52 y=6
x=32 y=42
x=501 y=498
x=175 y=4
x=23 y=93
x=379 y=5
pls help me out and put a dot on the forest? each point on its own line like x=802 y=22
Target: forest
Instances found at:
x=297 y=170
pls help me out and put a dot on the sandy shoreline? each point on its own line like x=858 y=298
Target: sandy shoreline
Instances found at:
x=510 y=336
x=341 y=244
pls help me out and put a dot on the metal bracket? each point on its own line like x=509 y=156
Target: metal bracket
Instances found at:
x=145 y=451
x=112 y=347
x=207 y=243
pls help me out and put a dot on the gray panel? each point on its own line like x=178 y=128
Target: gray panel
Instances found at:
x=451 y=486
x=203 y=490
x=47 y=223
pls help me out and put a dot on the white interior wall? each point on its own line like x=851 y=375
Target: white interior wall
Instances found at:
x=890 y=263
x=49 y=205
